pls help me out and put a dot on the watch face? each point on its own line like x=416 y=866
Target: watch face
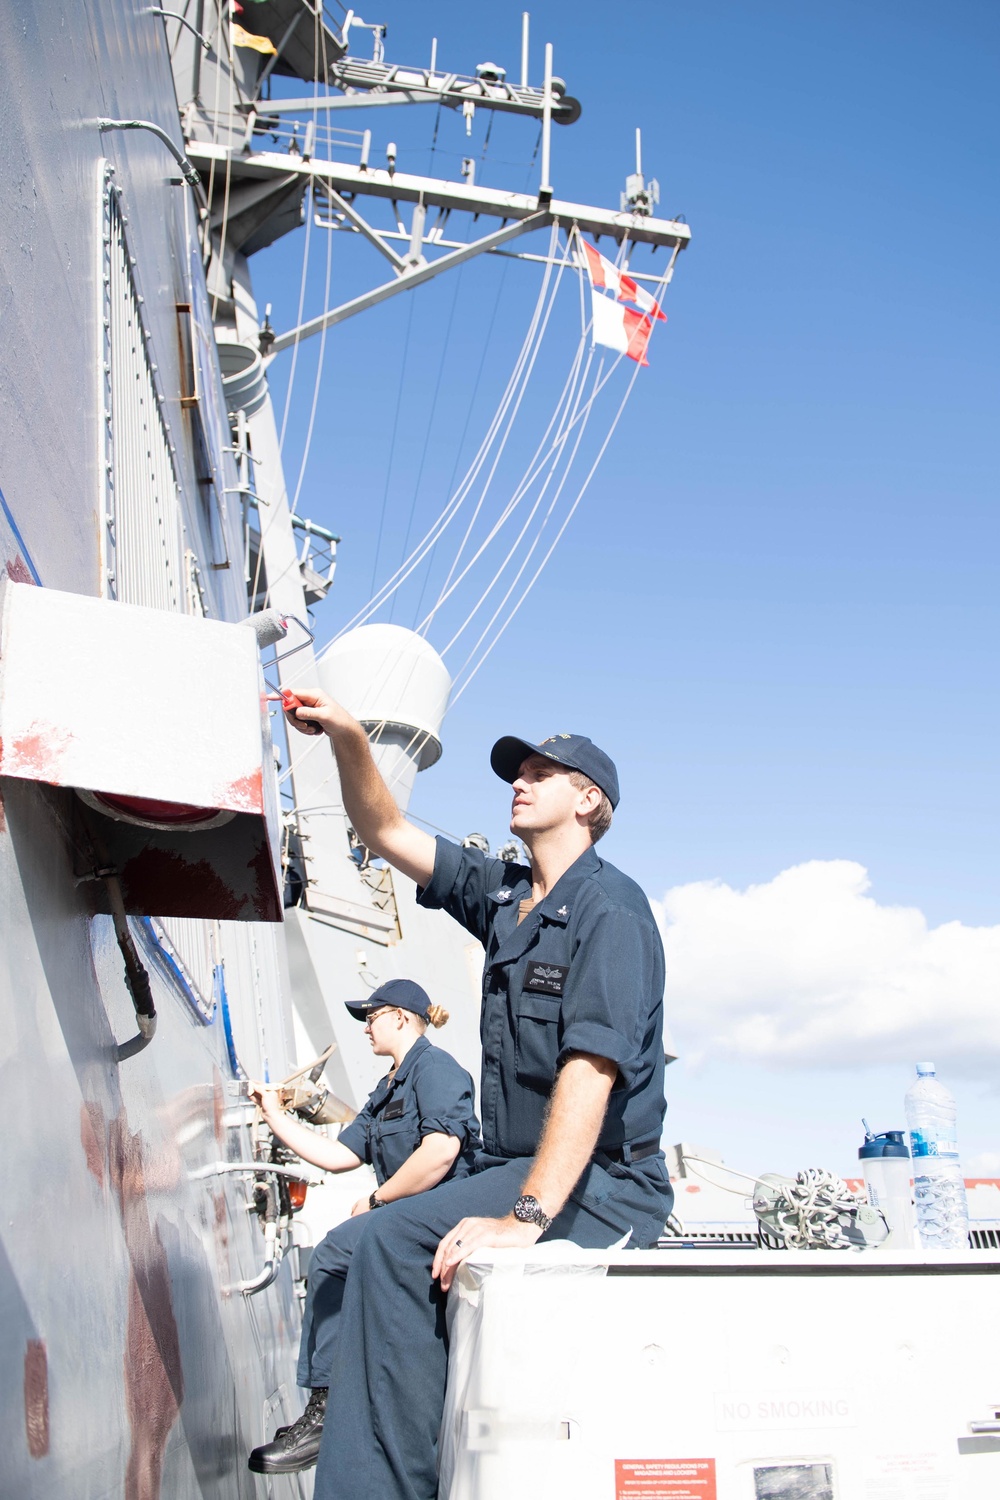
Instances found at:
x=526 y=1209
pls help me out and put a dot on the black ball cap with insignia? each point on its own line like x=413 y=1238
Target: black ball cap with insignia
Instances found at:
x=573 y=750
x=405 y=994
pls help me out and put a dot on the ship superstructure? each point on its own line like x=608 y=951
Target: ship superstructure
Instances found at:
x=151 y=1261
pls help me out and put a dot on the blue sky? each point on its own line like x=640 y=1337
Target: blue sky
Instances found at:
x=776 y=605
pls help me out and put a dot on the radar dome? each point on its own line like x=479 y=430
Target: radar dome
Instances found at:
x=396 y=684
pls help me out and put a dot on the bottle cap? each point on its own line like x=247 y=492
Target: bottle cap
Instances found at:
x=926 y=1070
x=886 y=1143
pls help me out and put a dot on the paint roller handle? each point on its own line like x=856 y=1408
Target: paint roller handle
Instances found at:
x=290 y=702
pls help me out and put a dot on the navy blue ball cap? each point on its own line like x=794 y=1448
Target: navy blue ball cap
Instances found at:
x=573 y=750
x=402 y=992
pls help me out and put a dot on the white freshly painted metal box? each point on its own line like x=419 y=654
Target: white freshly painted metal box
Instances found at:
x=718 y=1375
x=171 y=750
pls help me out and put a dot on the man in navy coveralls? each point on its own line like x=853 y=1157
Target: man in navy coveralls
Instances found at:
x=571 y=1098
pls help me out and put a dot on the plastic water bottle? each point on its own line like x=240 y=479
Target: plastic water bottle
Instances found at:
x=938 y=1184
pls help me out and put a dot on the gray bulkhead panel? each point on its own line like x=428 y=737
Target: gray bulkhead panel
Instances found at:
x=122 y=1355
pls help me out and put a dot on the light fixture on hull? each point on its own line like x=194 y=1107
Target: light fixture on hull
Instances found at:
x=96 y=697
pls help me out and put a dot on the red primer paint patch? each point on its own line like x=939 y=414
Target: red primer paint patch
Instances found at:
x=38 y=754
x=246 y=794
x=221 y=1236
x=18 y=571
x=219 y=1109
x=93 y=1138
x=36 y=1398
x=150 y=1398
x=154 y=1381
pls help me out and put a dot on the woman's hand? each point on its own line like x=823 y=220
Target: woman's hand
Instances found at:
x=361 y=1207
x=268 y=1099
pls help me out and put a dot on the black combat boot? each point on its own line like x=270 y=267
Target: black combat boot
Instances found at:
x=296 y=1447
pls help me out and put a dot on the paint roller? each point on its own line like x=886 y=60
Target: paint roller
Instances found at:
x=271 y=626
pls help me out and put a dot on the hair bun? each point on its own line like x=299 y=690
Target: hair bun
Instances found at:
x=437 y=1015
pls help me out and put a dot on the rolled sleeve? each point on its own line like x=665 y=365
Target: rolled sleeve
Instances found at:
x=445 y=1104
x=357 y=1136
x=459 y=885
x=606 y=1000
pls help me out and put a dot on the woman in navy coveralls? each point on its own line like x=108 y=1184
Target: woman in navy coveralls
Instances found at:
x=417 y=1129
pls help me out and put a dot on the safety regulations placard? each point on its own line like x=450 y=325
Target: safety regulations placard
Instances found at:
x=664 y=1479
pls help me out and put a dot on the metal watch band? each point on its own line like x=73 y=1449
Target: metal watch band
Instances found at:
x=528 y=1210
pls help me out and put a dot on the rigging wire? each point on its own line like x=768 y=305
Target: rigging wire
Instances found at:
x=429 y=424
x=309 y=197
x=229 y=163
x=529 y=353
x=580 y=416
x=437 y=122
x=215 y=116
x=557 y=454
x=318 y=35
x=319 y=44
x=465 y=428
x=387 y=665
x=486 y=138
x=422 y=628
x=568 y=517
x=452 y=507
x=558 y=537
x=316 y=383
x=392 y=440
x=534 y=468
x=514 y=394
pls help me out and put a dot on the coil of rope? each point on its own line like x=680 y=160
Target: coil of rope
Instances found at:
x=815 y=1212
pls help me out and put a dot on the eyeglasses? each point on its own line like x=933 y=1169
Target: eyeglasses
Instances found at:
x=385 y=1011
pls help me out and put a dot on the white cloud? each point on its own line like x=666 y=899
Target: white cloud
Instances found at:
x=809 y=970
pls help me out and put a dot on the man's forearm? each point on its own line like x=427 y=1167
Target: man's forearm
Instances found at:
x=577 y=1107
x=576 y=1113
x=369 y=804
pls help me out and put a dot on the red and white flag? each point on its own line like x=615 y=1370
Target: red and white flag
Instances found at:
x=620 y=328
x=605 y=274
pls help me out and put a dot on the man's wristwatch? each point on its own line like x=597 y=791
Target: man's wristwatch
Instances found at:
x=375 y=1202
x=529 y=1211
